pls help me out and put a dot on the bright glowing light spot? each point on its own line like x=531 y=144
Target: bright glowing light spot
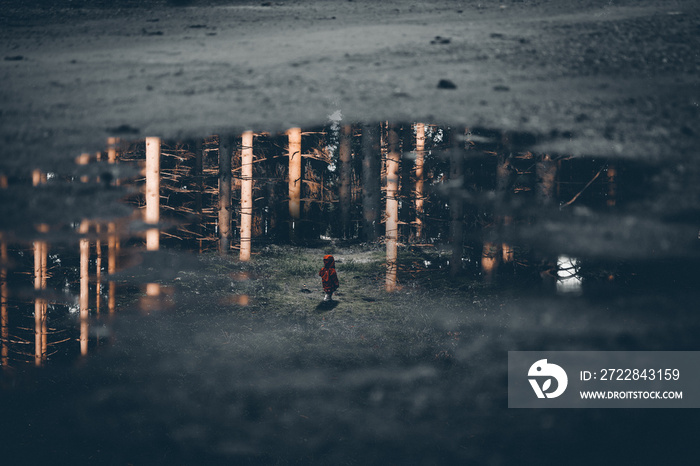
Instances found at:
x=569 y=281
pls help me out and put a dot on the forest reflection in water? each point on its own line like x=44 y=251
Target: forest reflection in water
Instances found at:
x=460 y=204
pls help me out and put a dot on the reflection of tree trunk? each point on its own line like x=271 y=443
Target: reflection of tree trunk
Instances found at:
x=152 y=192
x=504 y=173
x=345 y=157
x=420 y=159
x=83 y=159
x=371 y=189
x=152 y=300
x=456 y=208
x=98 y=270
x=224 y=194
x=112 y=144
x=612 y=186
x=294 y=174
x=4 y=318
x=198 y=176
x=112 y=246
x=84 y=286
x=40 y=304
x=246 y=194
x=546 y=175
x=38 y=177
x=392 y=208
x=489 y=260
x=508 y=252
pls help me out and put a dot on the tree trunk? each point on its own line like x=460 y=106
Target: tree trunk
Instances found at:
x=98 y=270
x=345 y=158
x=392 y=208
x=83 y=159
x=546 y=169
x=112 y=144
x=84 y=286
x=4 y=318
x=294 y=174
x=489 y=260
x=420 y=160
x=112 y=246
x=198 y=175
x=504 y=172
x=38 y=177
x=612 y=186
x=224 y=194
x=152 y=192
x=371 y=176
x=246 y=194
x=40 y=304
x=456 y=208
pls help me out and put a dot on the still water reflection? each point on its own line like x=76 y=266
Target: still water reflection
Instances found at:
x=472 y=205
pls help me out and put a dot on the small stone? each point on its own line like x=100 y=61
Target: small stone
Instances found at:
x=123 y=129
x=446 y=84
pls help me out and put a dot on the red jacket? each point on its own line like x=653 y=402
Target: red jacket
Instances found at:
x=328 y=276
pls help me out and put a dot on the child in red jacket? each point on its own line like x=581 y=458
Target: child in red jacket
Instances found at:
x=328 y=277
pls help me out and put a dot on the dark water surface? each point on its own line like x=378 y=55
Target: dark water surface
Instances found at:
x=115 y=354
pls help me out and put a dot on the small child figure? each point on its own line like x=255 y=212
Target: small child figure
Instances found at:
x=328 y=277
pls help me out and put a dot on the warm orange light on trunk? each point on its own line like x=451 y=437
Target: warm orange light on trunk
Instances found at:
x=392 y=208
x=38 y=177
x=246 y=194
x=83 y=159
x=112 y=149
x=152 y=214
x=508 y=251
x=489 y=261
x=153 y=289
x=4 y=318
x=98 y=271
x=294 y=152
x=40 y=304
x=84 y=286
x=420 y=159
x=112 y=246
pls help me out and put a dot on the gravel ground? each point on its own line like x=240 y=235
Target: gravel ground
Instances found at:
x=598 y=77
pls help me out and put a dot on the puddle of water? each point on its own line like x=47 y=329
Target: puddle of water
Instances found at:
x=471 y=204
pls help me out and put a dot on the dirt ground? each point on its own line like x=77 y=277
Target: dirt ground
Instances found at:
x=596 y=77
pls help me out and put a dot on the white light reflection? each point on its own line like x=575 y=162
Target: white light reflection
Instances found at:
x=569 y=282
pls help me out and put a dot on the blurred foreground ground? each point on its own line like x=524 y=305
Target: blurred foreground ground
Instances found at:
x=418 y=377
